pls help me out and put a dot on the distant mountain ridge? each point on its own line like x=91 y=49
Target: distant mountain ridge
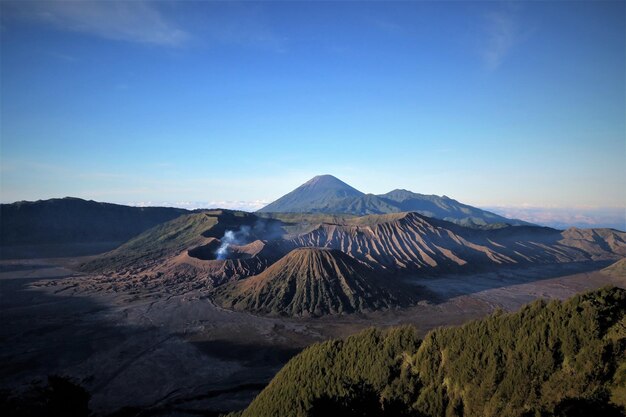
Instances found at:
x=328 y=194
x=72 y=220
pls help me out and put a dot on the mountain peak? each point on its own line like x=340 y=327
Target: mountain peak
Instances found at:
x=328 y=181
x=399 y=194
x=319 y=191
x=324 y=177
x=328 y=194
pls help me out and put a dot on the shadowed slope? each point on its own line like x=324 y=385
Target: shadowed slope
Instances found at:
x=73 y=221
x=310 y=281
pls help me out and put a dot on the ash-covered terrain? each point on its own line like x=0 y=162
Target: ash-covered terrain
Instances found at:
x=239 y=257
x=195 y=313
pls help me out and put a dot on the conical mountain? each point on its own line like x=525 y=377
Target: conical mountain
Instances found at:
x=319 y=192
x=327 y=194
x=311 y=282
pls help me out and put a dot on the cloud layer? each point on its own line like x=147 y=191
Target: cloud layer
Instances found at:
x=192 y=205
x=562 y=218
x=131 y=21
x=503 y=32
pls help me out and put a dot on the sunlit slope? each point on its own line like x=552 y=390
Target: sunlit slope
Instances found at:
x=617 y=270
x=409 y=241
x=320 y=191
x=328 y=194
x=164 y=240
x=390 y=243
x=312 y=281
x=549 y=359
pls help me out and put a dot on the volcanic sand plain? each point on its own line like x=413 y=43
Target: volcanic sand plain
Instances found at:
x=180 y=354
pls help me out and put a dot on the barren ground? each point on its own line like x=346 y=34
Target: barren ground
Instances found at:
x=176 y=354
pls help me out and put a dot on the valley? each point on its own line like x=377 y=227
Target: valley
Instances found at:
x=194 y=312
x=312 y=208
x=164 y=352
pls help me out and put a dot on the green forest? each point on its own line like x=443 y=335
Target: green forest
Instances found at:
x=548 y=359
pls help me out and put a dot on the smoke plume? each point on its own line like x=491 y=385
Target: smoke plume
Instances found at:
x=232 y=238
x=261 y=229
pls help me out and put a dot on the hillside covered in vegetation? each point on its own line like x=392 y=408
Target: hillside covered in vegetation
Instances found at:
x=548 y=359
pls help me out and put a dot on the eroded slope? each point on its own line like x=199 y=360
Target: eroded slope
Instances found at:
x=312 y=281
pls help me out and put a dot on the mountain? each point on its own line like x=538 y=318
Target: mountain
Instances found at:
x=327 y=194
x=444 y=208
x=185 y=252
x=67 y=221
x=551 y=359
x=162 y=241
x=187 y=246
x=319 y=191
x=311 y=282
x=410 y=242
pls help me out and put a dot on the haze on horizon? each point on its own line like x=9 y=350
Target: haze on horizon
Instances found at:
x=520 y=106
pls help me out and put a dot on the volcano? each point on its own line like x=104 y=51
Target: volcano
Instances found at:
x=328 y=194
x=312 y=282
x=322 y=191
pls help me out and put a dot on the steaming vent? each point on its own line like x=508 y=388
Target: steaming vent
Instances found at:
x=229 y=242
x=244 y=242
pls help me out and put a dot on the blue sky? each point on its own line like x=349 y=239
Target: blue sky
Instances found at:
x=494 y=104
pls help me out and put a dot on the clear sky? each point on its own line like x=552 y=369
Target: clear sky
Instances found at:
x=494 y=104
